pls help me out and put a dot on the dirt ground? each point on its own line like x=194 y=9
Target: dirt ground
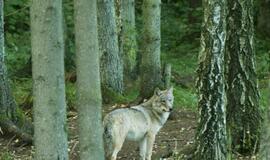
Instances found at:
x=175 y=135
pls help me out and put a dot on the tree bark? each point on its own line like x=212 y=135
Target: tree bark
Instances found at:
x=50 y=138
x=111 y=62
x=88 y=81
x=128 y=33
x=243 y=113
x=211 y=134
x=150 y=66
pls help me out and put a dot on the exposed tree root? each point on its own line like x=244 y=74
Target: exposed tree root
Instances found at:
x=9 y=128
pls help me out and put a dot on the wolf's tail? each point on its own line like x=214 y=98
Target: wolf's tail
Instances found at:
x=108 y=139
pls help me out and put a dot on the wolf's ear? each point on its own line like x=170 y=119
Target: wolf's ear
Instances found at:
x=157 y=92
x=170 y=89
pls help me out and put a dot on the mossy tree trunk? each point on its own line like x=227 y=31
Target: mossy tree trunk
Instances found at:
x=50 y=137
x=150 y=71
x=88 y=80
x=7 y=103
x=265 y=136
x=12 y=119
x=111 y=61
x=265 y=139
x=128 y=33
x=243 y=113
x=211 y=134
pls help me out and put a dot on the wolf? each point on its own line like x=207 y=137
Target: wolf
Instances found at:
x=139 y=123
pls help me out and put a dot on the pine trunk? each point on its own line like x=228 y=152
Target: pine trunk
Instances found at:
x=111 y=62
x=88 y=81
x=128 y=33
x=244 y=117
x=50 y=138
x=211 y=134
x=150 y=66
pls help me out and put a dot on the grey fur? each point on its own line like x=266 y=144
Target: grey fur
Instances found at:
x=139 y=123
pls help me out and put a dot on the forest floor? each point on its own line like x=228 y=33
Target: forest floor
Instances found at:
x=173 y=142
x=174 y=136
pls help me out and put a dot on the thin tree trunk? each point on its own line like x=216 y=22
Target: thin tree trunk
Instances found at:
x=244 y=117
x=7 y=103
x=9 y=111
x=50 y=138
x=88 y=81
x=151 y=66
x=111 y=62
x=128 y=33
x=211 y=134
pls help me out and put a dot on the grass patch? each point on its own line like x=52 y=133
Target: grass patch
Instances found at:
x=185 y=98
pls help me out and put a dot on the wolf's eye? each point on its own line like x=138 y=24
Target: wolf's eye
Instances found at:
x=163 y=101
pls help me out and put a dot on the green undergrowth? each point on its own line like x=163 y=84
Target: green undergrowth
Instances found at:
x=185 y=98
x=264 y=98
x=6 y=156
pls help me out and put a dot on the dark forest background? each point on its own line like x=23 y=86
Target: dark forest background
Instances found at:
x=180 y=45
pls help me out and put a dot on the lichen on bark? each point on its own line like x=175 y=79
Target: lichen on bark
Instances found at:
x=211 y=134
x=243 y=111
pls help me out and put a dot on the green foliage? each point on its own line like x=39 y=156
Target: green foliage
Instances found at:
x=262 y=56
x=17 y=33
x=69 y=36
x=264 y=100
x=22 y=88
x=178 y=33
x=185 y=98
x=111 y=97
x=6 y=156
x=70 y=95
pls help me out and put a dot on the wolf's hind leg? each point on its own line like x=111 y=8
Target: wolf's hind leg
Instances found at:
x=142 y=148
x=117 y=145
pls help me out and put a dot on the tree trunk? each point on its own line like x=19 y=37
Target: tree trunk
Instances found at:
x=211 y=134
x=265 y=139
x=150 y=66
x=243 y=113
x=128 y=33
x=50 y=138
x=265 y=136
x=88 y=81
x=111 y=62
x=263 y=24
x=7 y=103
x=11 y=119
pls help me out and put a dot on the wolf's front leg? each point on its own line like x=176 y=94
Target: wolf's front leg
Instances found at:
x=149 y=145
x=143 y=148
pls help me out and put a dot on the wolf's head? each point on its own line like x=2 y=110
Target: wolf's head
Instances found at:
x=163 y=100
